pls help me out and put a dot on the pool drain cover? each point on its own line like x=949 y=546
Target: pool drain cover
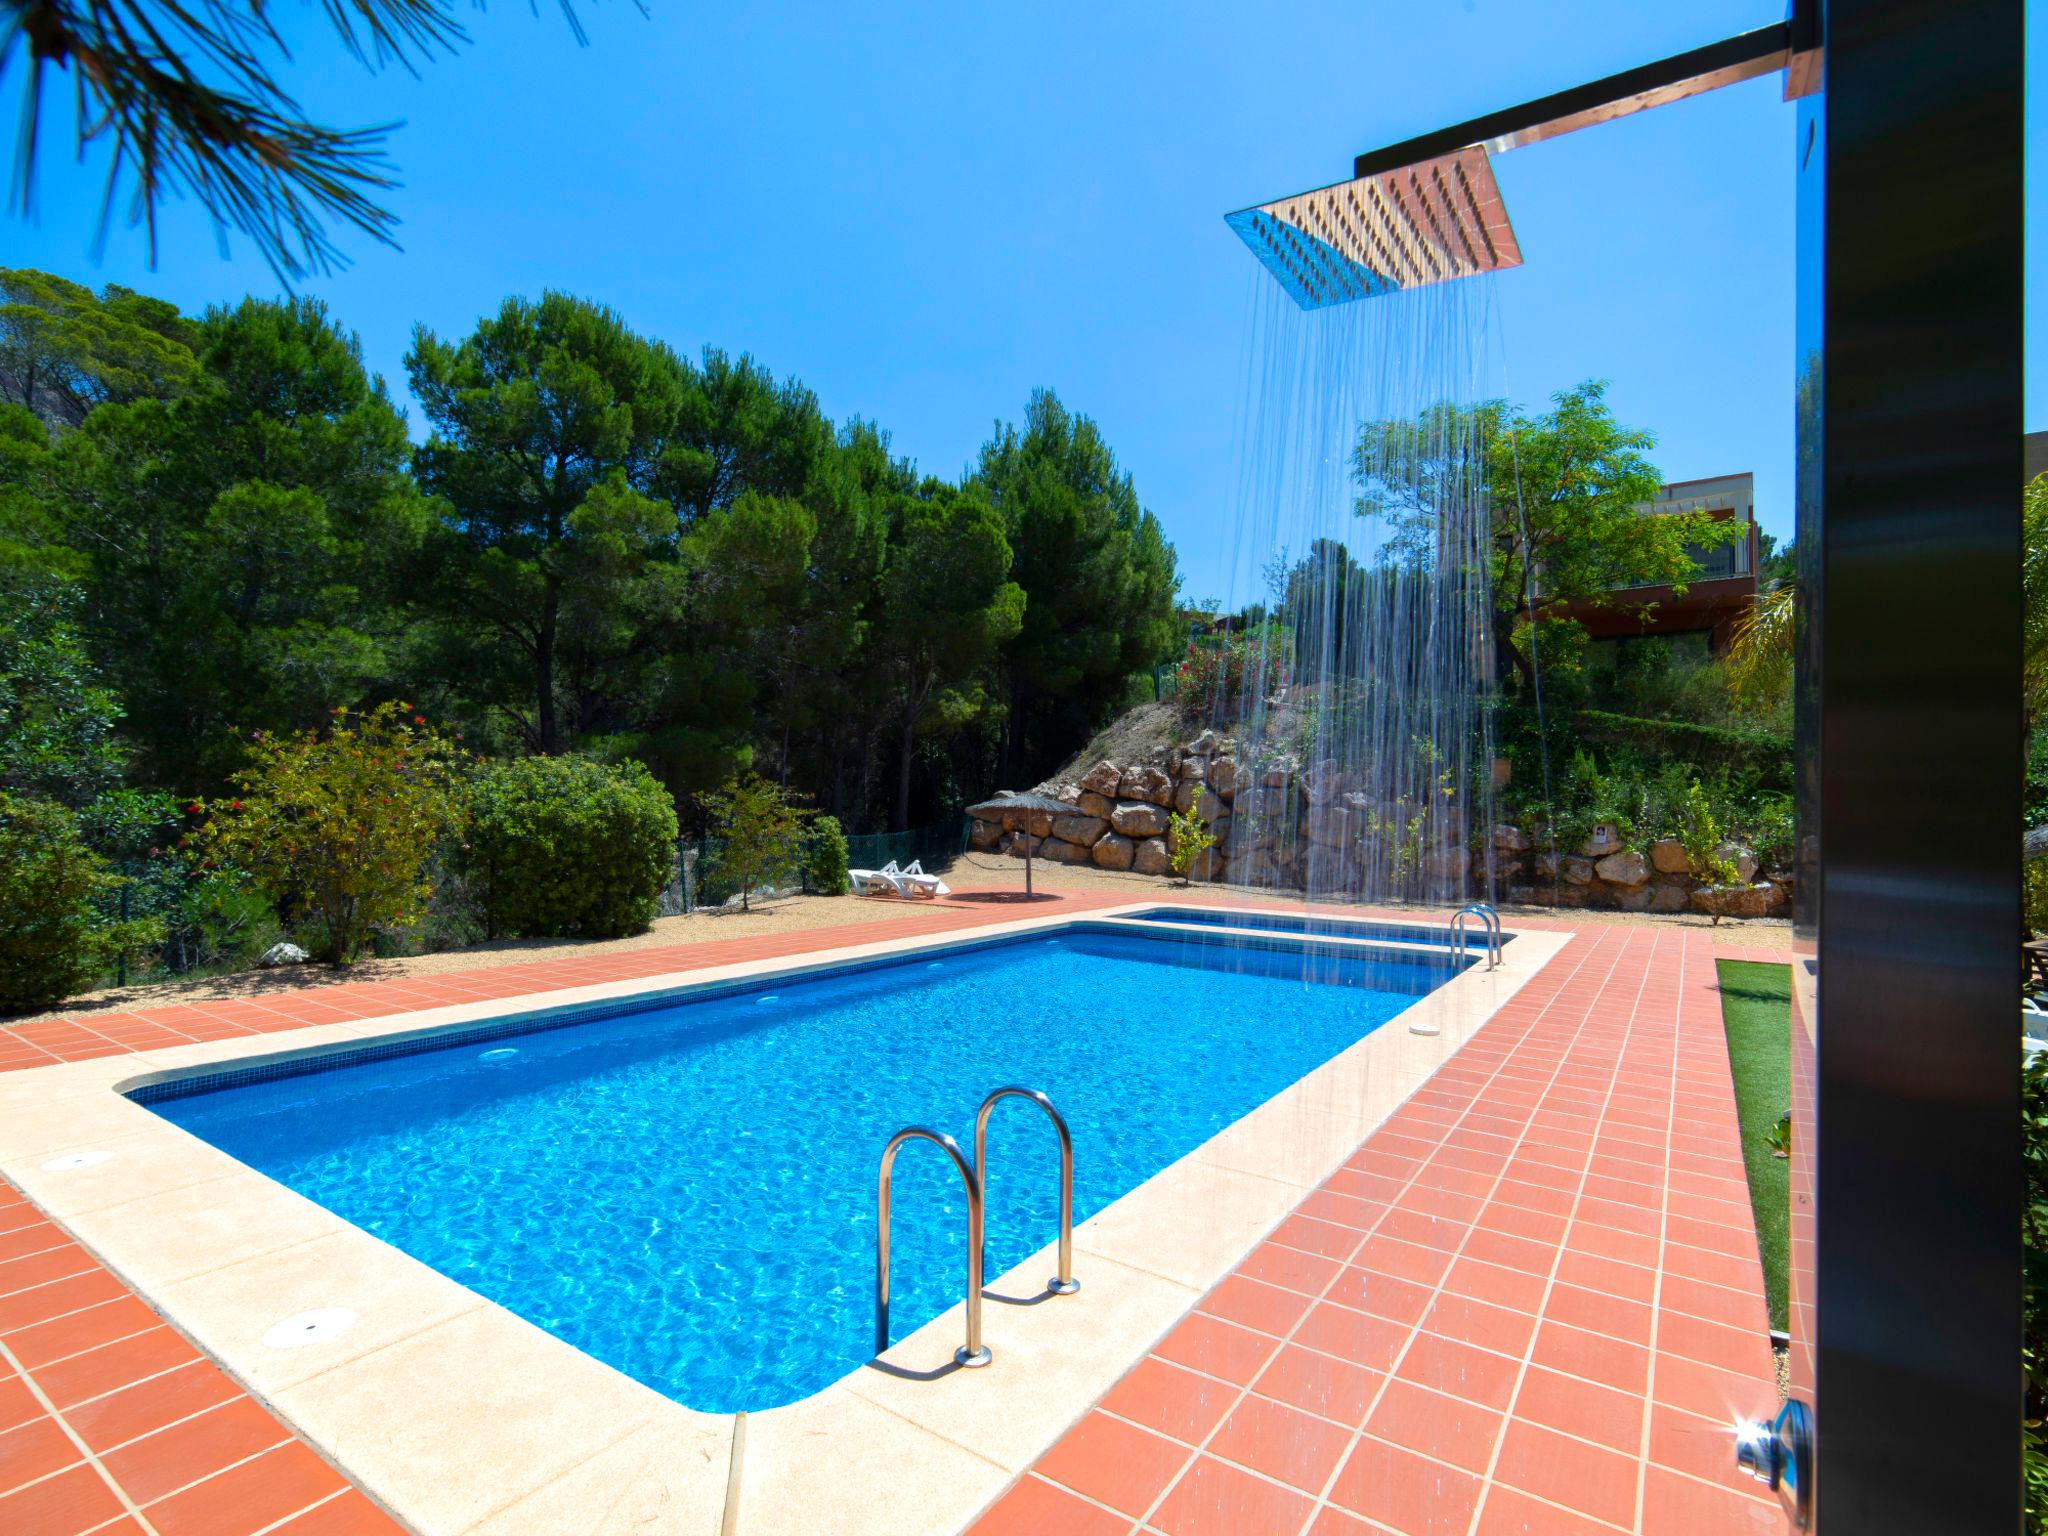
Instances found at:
x=71 y=1160
x=315 y=1327
x=502 y=1053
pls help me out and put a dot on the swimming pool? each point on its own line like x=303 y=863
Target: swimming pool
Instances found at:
x=685 y=1189
x=1252 y=920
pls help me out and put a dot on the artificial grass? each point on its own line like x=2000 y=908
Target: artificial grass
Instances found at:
x=1756 y=1010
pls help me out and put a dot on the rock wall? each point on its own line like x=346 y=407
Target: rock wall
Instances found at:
x=1289 y=826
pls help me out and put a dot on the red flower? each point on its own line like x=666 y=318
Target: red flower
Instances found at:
x=192 y=809
x=234 y=805
x=418 y=720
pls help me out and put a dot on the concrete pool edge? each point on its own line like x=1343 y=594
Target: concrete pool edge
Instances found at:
x=398 y=1402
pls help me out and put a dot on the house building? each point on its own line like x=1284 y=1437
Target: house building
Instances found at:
x=1715 y=600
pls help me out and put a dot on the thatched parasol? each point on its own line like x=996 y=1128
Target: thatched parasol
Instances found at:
x=1025 y=802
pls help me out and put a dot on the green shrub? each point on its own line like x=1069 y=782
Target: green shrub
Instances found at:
x=339 y=828
x=1701 y=834
x=759 y=835
x=568 y=846
x=824 y=868
x=56 y=940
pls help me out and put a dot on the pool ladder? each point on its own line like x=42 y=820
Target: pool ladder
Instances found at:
x=1489 y=918
x=973 y=1176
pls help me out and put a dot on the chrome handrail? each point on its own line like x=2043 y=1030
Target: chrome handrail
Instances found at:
x=975 y=1352
x=1488 y=918
x=1064 y=1283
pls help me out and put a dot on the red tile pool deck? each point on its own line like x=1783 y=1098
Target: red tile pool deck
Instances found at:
x=1530 y=1303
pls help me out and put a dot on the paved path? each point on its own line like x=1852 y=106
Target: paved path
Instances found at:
x=1530 y=1303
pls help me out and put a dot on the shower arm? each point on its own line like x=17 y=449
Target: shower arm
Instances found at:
x=1791 y=45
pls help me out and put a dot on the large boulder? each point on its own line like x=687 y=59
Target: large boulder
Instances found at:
x=1193 y=770
x=1329 y=872
x=1148 y=784
x=1059 y=851
x=1135 y=818
x=1279 y=773
x=1447 y=865
x=1209 y=864
x=1262 y=800
x=1325 y=782
x=1667 y=897
x=1629 y=869
x=1737 y=900
x=1509 y=838
x=1205 y=745
x=1037 y=823
x=1577 y=871
x=1667 y=856
x=1020 y=845
x=1153 y=857
x=1223 y=776
x=1743 y=860
x=1329 y=825
x=1634 y=898
x=1080 y=829
x=984 y=834
x=1113 y=851
x=1103 y=778
x=1089 y=803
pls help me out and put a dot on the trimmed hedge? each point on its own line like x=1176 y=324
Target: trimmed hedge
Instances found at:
x=568 y=847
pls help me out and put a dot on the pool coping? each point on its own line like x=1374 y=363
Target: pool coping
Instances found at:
x=400 y=1401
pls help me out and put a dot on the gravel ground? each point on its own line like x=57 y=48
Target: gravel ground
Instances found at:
x=973 y=871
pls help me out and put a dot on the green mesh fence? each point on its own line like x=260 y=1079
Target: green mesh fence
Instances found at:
x=697 y=881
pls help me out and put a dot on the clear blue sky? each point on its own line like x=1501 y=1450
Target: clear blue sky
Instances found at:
x=925 y=210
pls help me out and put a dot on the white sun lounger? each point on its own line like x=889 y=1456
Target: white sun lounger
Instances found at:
x=921 y=883
x=888 y=880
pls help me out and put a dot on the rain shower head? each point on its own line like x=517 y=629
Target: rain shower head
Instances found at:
x=1427 y=209
x=1421 y=223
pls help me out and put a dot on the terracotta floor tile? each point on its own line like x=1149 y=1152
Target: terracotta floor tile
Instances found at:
x=1281 y=1442
x=1114 y=1463
x=1372 y=1342
x=254 y=1494
x=1509 y=1512
x=1170 y=1400
x=1217 y=1499
x=1582 y=1408
x=1253 y=1304
x=64 y=1505
x=1513 y=1288
x=1404 y=1492
x=1477 y=1322
x=33 y=1450
x=17 y=1403
x=1631 y=1282
x=1582 y=1477
x=1575 y=1352
x=40 y=1344
x=38 y=1269
x=1444 y=1428
x=350 y=1514
x=1597 y=1312
x=1289 y=1268
x=1461 y=1370
x=1320 y=1384
x=1388 y=1296
x=1404 y=1260
x=1731 y=1349
x=112 y=1366
x=1713 y=1393
x=1674 y=1505
x=1318 y=1237
x=1216 y=1348
x=194 y=1448
x=1033 y=1507
x=119 y=1417
x=74 y=1293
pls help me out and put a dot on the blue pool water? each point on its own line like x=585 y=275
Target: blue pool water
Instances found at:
x=1302 y=922
x=687 y=1190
